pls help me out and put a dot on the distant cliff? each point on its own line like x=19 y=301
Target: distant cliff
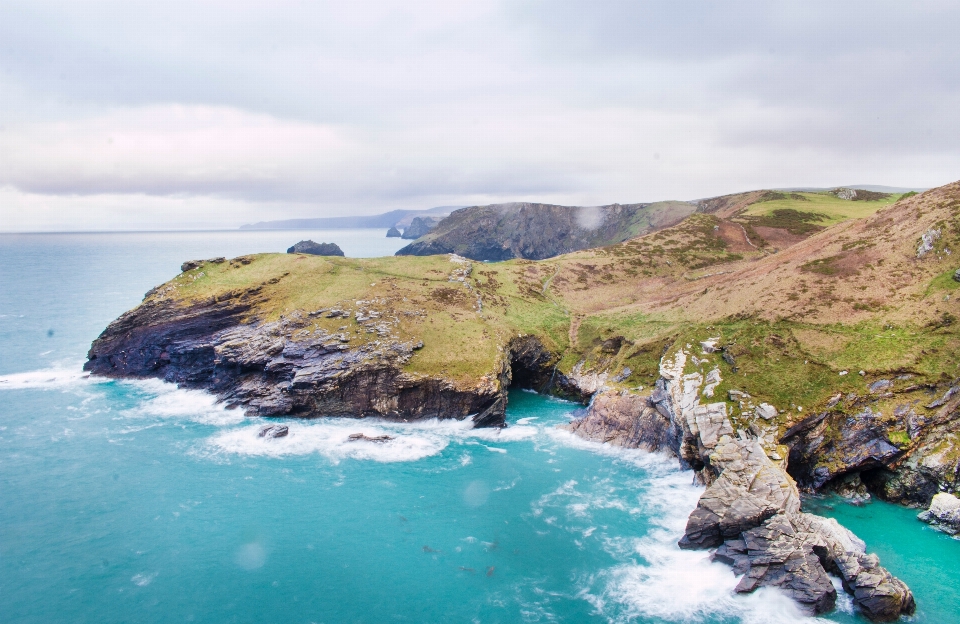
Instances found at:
x=539 y=231
x=419 y=226
x=394 y=218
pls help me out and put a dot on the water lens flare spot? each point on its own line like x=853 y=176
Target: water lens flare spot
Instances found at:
x=476 y=493
x=251 y=556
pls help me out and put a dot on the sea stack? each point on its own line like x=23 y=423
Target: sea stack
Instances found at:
x=316 y=249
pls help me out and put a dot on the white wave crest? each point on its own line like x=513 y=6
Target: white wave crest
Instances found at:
x=167 y=401
x=330 y=439
x=56 y=378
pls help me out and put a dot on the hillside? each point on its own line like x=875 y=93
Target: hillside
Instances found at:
x=536 y=231
x=828 y=345
x=796 y=324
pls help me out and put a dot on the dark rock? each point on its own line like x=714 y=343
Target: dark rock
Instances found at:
x=189 y=265
x=393 y=233
x=419 y=227
x=273 y=431
x=829 y=445
x=729 y=359
x=316 y=249
x=880 y=386
x=360 y=437
x=956 y=275
x=213 y=345
x=852 y=488
x=629 y=421
x=537 y=231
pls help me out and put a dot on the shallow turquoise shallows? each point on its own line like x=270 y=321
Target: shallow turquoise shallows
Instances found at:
x=139 y=502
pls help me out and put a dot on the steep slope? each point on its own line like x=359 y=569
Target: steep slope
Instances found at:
x=537 y=231
x=833 y=358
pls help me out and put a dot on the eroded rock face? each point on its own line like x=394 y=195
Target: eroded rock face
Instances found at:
x=854 y=442
x=750 y=511
x=258 y=365
x=629 y=421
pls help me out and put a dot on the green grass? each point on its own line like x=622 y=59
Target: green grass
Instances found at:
x=833 y=209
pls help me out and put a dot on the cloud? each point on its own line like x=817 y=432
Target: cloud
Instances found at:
x=296 y=109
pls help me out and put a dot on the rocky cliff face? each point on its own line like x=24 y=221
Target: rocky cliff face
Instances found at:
x=419 y=227
x=288 y=367
x=538 y=231
x=900 y=449
x=750 y=512
x=272 y=369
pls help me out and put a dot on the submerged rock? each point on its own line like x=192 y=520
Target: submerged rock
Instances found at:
x=362 y=437
x=273 y=431
x=316 y=249
x=944 y=513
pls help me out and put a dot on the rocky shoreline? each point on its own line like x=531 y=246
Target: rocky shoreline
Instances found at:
x=750 y=512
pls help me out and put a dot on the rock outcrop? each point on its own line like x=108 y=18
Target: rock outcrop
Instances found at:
x=259 y=365
x=419 y=226
x=274 y=431
x=190 y=265
x=393 y=232
x=903 y=455
x=316 y=249
x=628 y=420
x=538 y=231
x=944 y=513
x=750 y=512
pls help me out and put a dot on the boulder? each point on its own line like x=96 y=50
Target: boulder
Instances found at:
x=943 y=514
x=273 y=431
x=393 y=233
x=956 y=275
x=766 y=411
x=316 y=249
x=189 y=265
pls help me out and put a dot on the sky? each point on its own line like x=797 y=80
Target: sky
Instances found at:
x=211 y=114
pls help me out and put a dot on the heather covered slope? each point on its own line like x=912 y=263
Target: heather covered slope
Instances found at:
x=796 y=326
x=537 y=231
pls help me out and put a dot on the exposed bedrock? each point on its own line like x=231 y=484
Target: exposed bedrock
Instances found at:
x=260 y=366
x=750 y=512
x=280 y=368
x=905 y=454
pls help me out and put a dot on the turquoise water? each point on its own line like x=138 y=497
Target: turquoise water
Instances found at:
x=140 y=502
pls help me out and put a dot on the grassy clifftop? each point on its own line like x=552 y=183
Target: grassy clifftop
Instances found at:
x=852 y=296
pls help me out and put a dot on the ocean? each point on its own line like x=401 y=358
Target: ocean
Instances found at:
x=135 y=501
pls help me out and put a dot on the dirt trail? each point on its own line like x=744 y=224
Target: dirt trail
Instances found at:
x=574 y=328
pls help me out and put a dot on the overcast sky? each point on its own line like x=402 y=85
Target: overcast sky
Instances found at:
x=166 y=114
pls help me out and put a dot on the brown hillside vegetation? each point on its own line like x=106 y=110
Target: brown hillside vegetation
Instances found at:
x=699 y=270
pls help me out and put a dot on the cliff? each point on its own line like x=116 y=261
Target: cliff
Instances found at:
x=538 y=231
x=419 y=226
x=829 y=326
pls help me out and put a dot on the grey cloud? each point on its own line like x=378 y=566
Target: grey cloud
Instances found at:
x=446 y=102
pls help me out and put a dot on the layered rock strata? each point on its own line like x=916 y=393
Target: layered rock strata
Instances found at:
x=855 y=442
x=277 y=369
x=750 y=512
